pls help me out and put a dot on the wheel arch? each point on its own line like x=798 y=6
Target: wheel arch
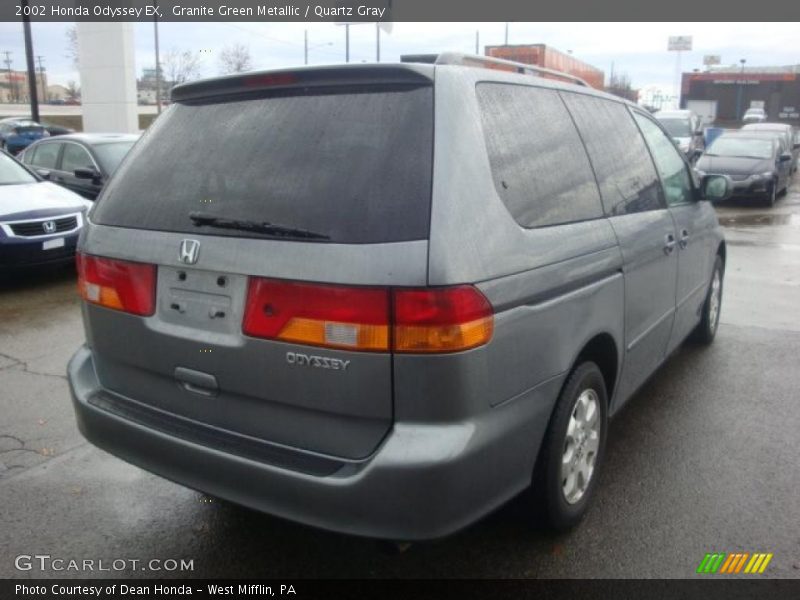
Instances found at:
x=602 y=349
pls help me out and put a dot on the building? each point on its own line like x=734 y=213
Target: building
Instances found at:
x=14 y=87
x=545 y=56
x=723 y=94
x=57 y=92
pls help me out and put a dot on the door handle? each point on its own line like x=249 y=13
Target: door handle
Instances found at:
x=669 y=244
x=684 y=241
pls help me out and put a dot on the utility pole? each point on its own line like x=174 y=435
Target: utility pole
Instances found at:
x=26 y=26
x=305 y=46
x=377 y=42
x=41 y=77
x=347 y=42
x=506 y=40
x=158 y=67
x=477 y=41
x=12 y=87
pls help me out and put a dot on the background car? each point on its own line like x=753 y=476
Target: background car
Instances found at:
x=790 y=135
x=51 y=128
x=755 y=162
x=686 y=129
x=39 y=221
x=754 y=115
x=81 y=162
x=18 y=134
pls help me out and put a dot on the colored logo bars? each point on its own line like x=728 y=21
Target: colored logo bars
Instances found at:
x=735 y=562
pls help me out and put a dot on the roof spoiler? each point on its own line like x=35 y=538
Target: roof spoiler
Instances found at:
x=490 y=62
x=305 y=77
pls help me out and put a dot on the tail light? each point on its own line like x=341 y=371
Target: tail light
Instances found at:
x=441 y=319
x=118 y=284
x=321 y=315
x=416 y=320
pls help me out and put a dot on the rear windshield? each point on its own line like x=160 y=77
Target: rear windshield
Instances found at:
x=353 y=165
x=23 y=129
x=678 y=128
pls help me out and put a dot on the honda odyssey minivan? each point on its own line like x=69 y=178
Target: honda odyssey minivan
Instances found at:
x=385 y=299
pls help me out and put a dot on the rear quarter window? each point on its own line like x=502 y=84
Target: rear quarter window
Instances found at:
x=539 y=165
x=353 y=164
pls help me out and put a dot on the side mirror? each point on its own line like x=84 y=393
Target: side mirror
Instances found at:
x=785 y=157
x=43 y=173
x=87 y=174
x=716 y=188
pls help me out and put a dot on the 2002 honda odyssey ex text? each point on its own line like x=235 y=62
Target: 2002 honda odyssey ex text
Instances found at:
x=385 y=299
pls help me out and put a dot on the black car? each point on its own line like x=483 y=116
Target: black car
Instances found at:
x=81 y=162
x=756 y=162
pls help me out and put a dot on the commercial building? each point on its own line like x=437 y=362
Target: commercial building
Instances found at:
x=544 y=56
x=14 y=86
x=723 y=94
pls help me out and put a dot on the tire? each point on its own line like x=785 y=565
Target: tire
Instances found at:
x=561 y=488
x=771 y=195
x=706 y=329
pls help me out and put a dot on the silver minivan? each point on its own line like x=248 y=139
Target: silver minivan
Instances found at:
x=385 y=299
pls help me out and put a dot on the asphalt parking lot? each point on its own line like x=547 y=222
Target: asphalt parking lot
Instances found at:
x=704 y=458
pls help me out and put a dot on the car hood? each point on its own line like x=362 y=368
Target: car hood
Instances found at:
x=43 y=198
x=733 y=165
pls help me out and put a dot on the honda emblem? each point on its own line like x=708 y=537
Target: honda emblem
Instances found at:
x=190 y=250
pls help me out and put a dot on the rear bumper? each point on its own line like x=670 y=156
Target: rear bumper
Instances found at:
x=424 y=481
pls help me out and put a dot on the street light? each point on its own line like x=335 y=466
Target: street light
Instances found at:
x=740 y=91
x=306 y=47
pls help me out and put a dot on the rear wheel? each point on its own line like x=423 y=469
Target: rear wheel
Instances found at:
x=573 y=448
x=707 y=327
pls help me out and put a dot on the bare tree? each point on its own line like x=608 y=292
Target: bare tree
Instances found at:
x=72 y=45
x=73 y=91
x=619 y=84
x=180 y=66
x=235 y=59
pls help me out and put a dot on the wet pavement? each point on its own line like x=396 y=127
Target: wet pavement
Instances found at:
x=703 y=459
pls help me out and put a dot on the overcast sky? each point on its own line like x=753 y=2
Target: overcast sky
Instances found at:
x=638 y=49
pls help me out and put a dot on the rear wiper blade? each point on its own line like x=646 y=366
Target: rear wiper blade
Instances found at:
x=265 y=227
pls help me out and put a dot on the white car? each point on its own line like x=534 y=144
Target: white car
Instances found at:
x=754 y=115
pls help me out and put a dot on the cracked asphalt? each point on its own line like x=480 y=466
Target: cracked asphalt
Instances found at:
x=703 y=459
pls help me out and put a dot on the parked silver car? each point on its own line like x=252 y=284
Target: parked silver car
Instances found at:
x=398 y=294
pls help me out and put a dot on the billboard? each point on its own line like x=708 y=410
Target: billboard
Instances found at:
x=679 y=43
x=712 y=59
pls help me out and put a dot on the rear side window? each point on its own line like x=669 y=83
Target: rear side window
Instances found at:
x=45 y=156
x=351 y=164
x=539 y=164
x=625 y=172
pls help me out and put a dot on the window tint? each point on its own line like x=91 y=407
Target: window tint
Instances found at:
x=670 y=165
x=46 y=155
x=75 y=157
x=539 y=164
x=350 y=163
x=625 y=172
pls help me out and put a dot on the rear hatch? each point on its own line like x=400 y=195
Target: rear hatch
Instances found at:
x=267 y=215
